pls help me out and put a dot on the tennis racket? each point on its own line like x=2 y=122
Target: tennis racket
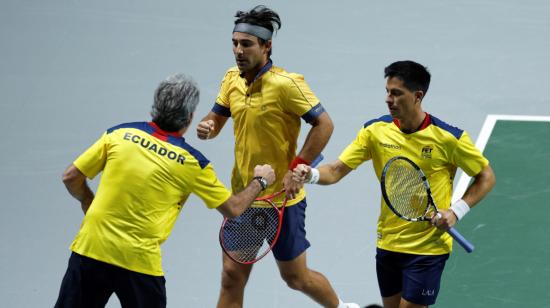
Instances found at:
x=407 y=193
x=250 y=236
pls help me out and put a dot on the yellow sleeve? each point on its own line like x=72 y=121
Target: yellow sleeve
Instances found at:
x=209 y=188
x=93 y=160
x=223 y=94
x=358 y=151
x=299 y=99
x=467 y=157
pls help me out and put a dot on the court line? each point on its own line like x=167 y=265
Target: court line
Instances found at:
x=483 y=138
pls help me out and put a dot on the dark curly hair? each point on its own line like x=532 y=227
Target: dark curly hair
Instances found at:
x=260 y=16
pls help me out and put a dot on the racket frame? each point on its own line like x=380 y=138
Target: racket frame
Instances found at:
x=469 y=247
x=280 y=212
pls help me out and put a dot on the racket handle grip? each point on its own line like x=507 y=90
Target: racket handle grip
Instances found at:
x=317 y=160
x=461 y=240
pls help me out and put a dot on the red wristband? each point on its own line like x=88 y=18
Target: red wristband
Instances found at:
x=298 y=160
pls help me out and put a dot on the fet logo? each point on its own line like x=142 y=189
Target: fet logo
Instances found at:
x=427 y=151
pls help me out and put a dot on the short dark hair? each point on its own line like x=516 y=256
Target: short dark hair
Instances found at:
x=176 y=99
x=415 y=76
x=261 y=16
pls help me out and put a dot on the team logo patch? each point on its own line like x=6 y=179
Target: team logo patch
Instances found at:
x=427 y=151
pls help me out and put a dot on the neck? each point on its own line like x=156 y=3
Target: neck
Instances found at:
x=251 y=74
x=178 y=133
x=411 y=125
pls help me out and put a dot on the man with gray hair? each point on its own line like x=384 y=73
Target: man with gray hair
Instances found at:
x=149 y=171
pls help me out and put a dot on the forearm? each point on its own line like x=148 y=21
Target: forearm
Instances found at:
x=75 y=182
x=483 y=183
x=317 y=138
x=332 y=173
x=238 y=203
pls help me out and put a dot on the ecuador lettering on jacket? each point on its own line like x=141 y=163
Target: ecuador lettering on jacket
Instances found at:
x=145 y=143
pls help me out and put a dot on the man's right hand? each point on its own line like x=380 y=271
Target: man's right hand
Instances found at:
x=266 y=172
x=204 y=129
x=302 y=173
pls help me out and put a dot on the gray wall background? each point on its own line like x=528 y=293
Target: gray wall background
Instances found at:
x=71 y=69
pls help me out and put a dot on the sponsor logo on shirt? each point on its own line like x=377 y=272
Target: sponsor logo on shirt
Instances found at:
x=427 y=151
x=390 y=146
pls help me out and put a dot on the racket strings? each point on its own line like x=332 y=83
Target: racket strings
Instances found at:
x=406 y=190
x=251 y=235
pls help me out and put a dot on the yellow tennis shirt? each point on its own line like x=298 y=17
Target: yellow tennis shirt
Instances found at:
x=266 y=116
x=438 y=149
x=147 y=176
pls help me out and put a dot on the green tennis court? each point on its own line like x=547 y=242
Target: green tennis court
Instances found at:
x=509 y=227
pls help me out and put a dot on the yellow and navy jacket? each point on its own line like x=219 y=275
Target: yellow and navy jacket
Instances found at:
x=439 y=149
x=148 y=175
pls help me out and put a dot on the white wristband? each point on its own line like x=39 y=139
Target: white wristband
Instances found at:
x=460 y=208
x=314 y=176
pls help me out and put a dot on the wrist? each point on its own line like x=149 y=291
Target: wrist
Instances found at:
x=298 y=160
x=460 y=208
x=262 y=181
x=314 y=176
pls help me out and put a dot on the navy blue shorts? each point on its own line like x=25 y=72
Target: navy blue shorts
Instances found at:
x=292 y=239
x=89 y=283
x=416 y=277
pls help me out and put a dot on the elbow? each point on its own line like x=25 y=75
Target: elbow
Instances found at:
x=493 y=181
x=491 y=178
x=67 y=178
x=324 y=122
x=229 y=208
x=328 y=126
x=71 y=176
x=329 y=129
x=231 y=214
x=230 y=211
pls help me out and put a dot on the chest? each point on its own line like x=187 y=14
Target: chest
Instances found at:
x=430 y=150
x=260 y=100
